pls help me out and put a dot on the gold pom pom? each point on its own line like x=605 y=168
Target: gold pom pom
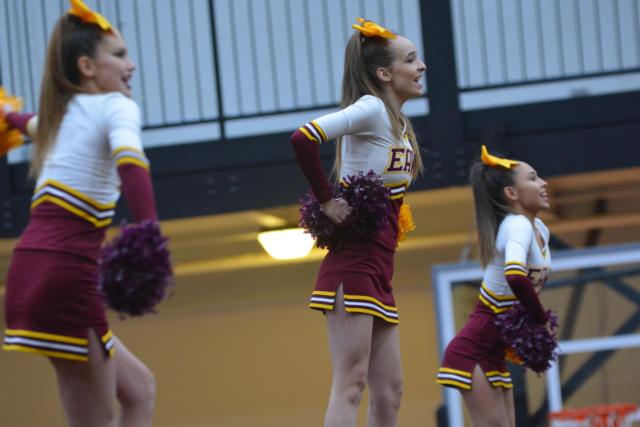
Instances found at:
x=512 y=356
x=405 y=222
x=9 y=138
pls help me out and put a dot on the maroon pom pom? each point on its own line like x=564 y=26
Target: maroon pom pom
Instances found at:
x=316 y=223
x=135 y=269
x=368 y=198
x=531 y=341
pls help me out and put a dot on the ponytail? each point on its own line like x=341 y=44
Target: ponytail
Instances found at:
x=71 y=38
x=488 y=184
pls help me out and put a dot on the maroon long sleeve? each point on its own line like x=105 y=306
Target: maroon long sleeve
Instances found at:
x=19 y=121
x=523 y=289
x=138 y=191
x=308 y=155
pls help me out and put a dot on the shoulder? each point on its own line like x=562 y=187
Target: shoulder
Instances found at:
x=104 y=99
x=115 y=100
x=516 y=226
x=369 y=108
x=370 y=102
x=116 y=107
x=371 y=99
x=513 y=220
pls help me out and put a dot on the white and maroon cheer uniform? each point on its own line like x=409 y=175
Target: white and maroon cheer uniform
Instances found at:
x=52 y=298
x=364 y=267
x=517 y=273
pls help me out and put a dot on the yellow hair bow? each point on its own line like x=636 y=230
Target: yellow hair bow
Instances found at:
x=371 y=29
x=493 y=161
x=82 y=11
x=9 y=138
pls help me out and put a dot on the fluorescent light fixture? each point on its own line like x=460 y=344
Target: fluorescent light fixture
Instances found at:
x=288 y=243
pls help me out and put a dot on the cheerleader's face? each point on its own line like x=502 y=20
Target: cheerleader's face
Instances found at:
x=110 y=70
x=529 y=192
x=407 y=70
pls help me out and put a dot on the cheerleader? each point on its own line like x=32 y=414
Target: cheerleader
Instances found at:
x=87 y=146
x=353 y=287
x=514 y=252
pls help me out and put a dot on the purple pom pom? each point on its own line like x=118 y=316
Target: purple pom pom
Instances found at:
x=316 y=223
x=368 y=198
x=135 y=269
x=531 y=341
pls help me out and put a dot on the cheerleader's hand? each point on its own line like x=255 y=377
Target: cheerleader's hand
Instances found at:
x=549 y=328
x=337 y=210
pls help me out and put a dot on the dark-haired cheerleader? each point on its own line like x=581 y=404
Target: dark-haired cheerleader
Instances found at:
x=514 y=251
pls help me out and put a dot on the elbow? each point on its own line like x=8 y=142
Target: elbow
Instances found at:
x=296 y=138
x=300 y=144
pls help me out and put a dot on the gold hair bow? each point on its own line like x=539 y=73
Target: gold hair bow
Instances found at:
x=371 y=29
x=493 y=161
x=82 y=11
x=9 y=138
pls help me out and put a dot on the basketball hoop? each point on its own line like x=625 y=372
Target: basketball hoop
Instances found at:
x=612 y=415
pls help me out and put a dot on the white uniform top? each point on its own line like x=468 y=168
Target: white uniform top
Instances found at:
x=517 y=252
x=368 y=143
x=97 y=134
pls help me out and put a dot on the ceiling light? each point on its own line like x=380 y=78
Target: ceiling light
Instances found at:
x=288 y=243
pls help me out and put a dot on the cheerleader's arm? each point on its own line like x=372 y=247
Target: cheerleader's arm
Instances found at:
x=308 y=154
x=523 y=289
x=518 y=238
x=363 y=116
x=122 y=121
x=26 y=123
x=138 y=191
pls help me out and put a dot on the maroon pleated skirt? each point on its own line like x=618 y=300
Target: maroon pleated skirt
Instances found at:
x=51 y=302
x=364 y=268
x=478 y=343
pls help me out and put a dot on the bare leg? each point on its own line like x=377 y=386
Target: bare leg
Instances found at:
x=88 y=390
x=486 y=404
x=385 y=376
x=350 y=347
x=136 y=388
x=511 y=408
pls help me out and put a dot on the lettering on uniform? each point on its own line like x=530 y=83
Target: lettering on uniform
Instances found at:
x=400 y=160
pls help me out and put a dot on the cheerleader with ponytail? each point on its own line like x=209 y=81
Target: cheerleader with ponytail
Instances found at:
x=87 y=148
x=376 y=149
x=508 y=320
